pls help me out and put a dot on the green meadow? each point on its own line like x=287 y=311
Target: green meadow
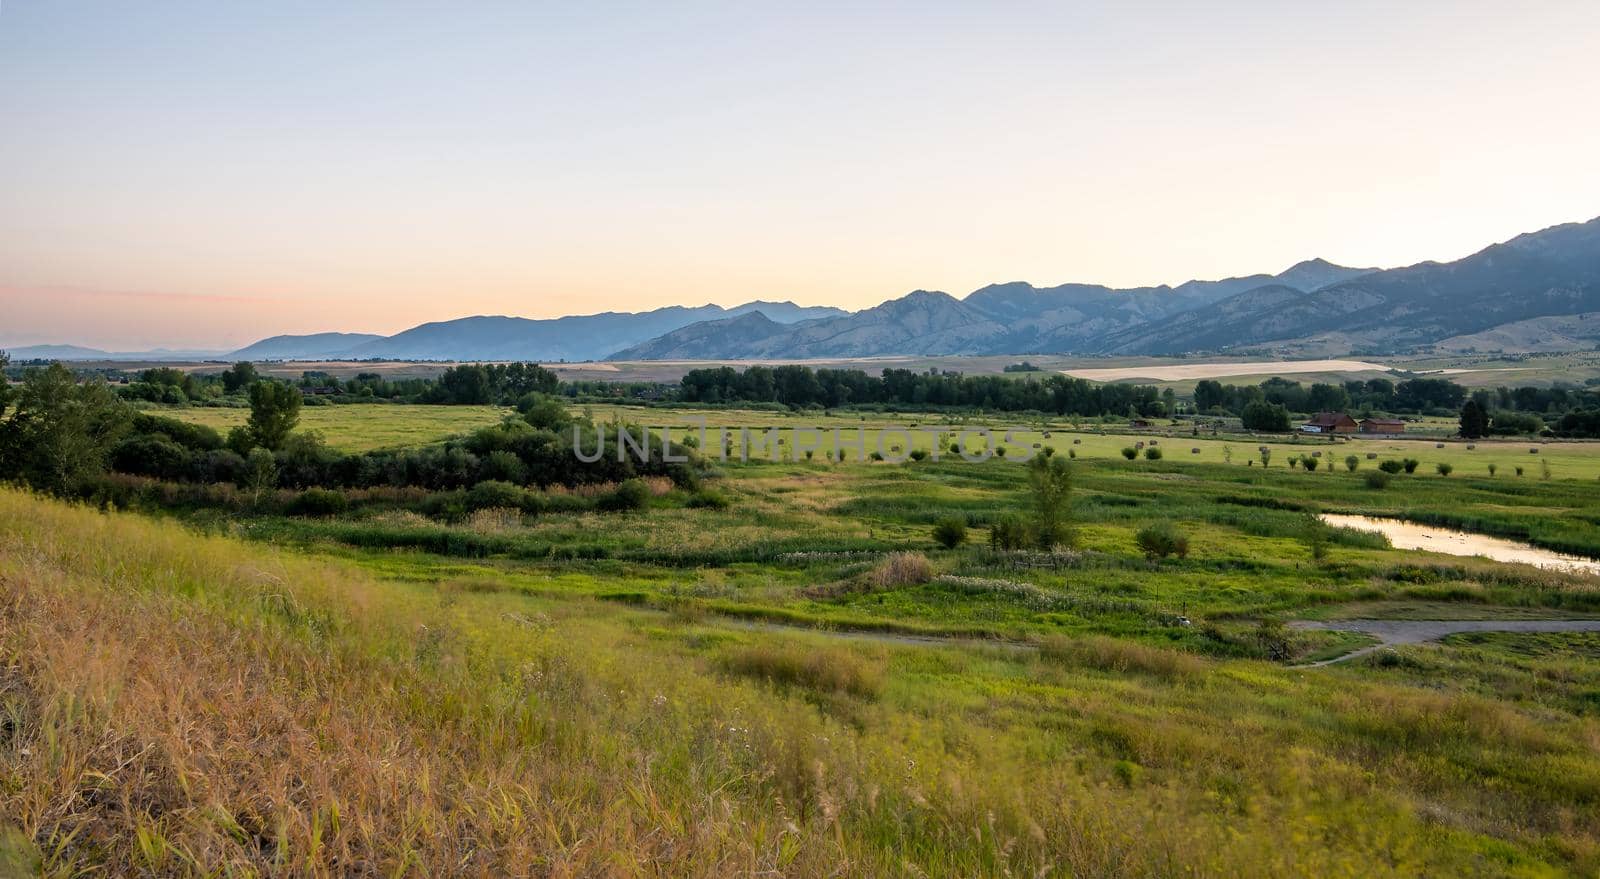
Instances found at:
x=783 y=671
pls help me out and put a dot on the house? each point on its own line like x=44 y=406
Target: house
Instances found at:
x=1330 y=422
x=1382 y=425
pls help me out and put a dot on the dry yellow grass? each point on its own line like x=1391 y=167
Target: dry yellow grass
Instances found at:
x=176 y=704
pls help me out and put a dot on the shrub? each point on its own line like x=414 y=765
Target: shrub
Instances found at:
x=1410 y=464
x=1008 y=533
x=1443 y=468
x=708 y=500
x=1310 y=463
x=950 y=532
x=631 y=494
x=1377 y=479
x=491 y=493
x=1161 y=539
x=1351 y=462
x=1314 y=534
x=1152 y=454
x=1391 y=467
x=1492 y=469
x=901 y=569
x=1130 y=453
x=503 y=466
x=919 y=454
x=318 y=502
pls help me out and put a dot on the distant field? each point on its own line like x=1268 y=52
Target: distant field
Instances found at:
x=1567 y=460
x=363 y=427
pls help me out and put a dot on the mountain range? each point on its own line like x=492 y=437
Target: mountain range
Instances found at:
x=1534 y=292
x=1315 y=307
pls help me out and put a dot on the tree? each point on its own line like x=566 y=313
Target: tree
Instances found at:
x=239 y=376
x=5 y=384
x=1474 y=420
x=1050 y=480
x=259 y=474
x=1351 y=462
x=950 y=532
x=1264 y=416
x=274 y=412
x=1161 y=539
x=61 y=432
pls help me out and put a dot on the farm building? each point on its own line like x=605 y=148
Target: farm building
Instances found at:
x=1330 y=422
x=1382 y=425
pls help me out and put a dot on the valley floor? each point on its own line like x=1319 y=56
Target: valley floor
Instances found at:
x=691 y=690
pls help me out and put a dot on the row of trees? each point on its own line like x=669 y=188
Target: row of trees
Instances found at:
x=1377 y=395
x=803 y=387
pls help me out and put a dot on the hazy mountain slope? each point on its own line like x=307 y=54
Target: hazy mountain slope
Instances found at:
x=1551 y=272
x=743 y=333
x=579 y=337
x=313 y=346
x=1563 y=332
x=917 y=323
x=1015 y=317
x=55 y=352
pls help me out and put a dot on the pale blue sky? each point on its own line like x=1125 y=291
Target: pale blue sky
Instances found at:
x=208 y=173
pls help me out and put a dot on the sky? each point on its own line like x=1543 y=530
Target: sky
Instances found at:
x=203 y=174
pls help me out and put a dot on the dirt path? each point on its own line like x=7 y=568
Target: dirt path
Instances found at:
x=1392 y=632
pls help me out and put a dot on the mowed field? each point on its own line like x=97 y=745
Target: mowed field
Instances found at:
x=363 y=427
x=766 y=685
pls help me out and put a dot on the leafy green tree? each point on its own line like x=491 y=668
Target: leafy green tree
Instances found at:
x=1264 y=416
x=1161 y=539
x=61 y=432
x=950 y=532
x=1050 y=481
x=274 y=412
x=5 y=384
x=239 y=376
x=260 y=473
x=1474 y=420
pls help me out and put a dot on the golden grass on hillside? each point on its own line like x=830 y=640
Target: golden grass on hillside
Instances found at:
x=175 y=704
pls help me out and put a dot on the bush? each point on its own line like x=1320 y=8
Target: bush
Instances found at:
x=1008 y=533
x=1410 y=464
x=318 y=502
x=1443 y=468
x=950 y=532
x=901 y=569
x=1310 y=463
x=1152 y=454
x=492 y=493
x=708 y=500
x=1377 y=479
x=1391 y=467
x=632 y=494
x=919 y=454
x=1351 y=462
x=1161 y=539
x=1130 y=453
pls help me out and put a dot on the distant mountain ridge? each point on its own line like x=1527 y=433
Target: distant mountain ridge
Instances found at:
x=1014 y=317
x=1313 y=306
x=486 y=337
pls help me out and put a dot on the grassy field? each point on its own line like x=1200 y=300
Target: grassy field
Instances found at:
x=772 y=687
x=363 y=427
